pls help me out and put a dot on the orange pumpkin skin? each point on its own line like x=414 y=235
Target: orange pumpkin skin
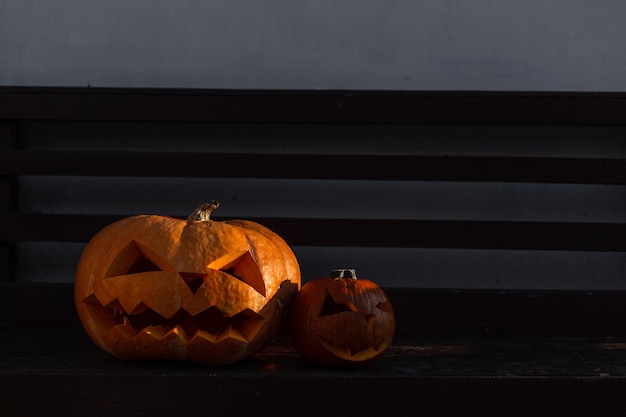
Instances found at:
x=341 y=320
x=157 y=287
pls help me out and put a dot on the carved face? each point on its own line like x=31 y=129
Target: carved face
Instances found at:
x=198 y=290
x=342 y=320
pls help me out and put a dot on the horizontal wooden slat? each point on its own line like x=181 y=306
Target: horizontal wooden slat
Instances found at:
x=360 y=232
x=306 y=166
x=326 y=106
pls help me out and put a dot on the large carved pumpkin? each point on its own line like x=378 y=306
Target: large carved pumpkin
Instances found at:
x=342 y=320
x=157 y=287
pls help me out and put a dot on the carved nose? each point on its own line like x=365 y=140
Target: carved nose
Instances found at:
x=193 y=280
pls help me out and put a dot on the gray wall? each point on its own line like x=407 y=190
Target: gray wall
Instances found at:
x=362 y=44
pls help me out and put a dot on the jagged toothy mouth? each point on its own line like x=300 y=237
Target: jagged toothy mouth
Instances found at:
x=191 y=316
x=360 y=355
x=210 y=324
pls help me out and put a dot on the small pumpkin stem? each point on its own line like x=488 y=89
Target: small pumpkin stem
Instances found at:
x=203 y=213
x=343 y=273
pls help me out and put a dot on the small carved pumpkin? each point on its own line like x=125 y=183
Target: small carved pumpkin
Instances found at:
x=341 y=320
x=157 y=287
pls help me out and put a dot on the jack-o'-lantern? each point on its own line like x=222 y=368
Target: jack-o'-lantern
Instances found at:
x=159 y=287
x=341 y=320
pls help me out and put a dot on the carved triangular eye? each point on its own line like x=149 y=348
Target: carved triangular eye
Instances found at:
x=142 y=264
x=386 y=307
x=242 y=266
x=331 y=307
x=136 y=258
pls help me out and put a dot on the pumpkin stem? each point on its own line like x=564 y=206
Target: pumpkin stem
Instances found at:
x=203 y=213
x=343 y=273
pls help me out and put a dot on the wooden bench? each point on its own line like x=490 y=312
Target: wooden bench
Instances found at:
x=491 y=351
